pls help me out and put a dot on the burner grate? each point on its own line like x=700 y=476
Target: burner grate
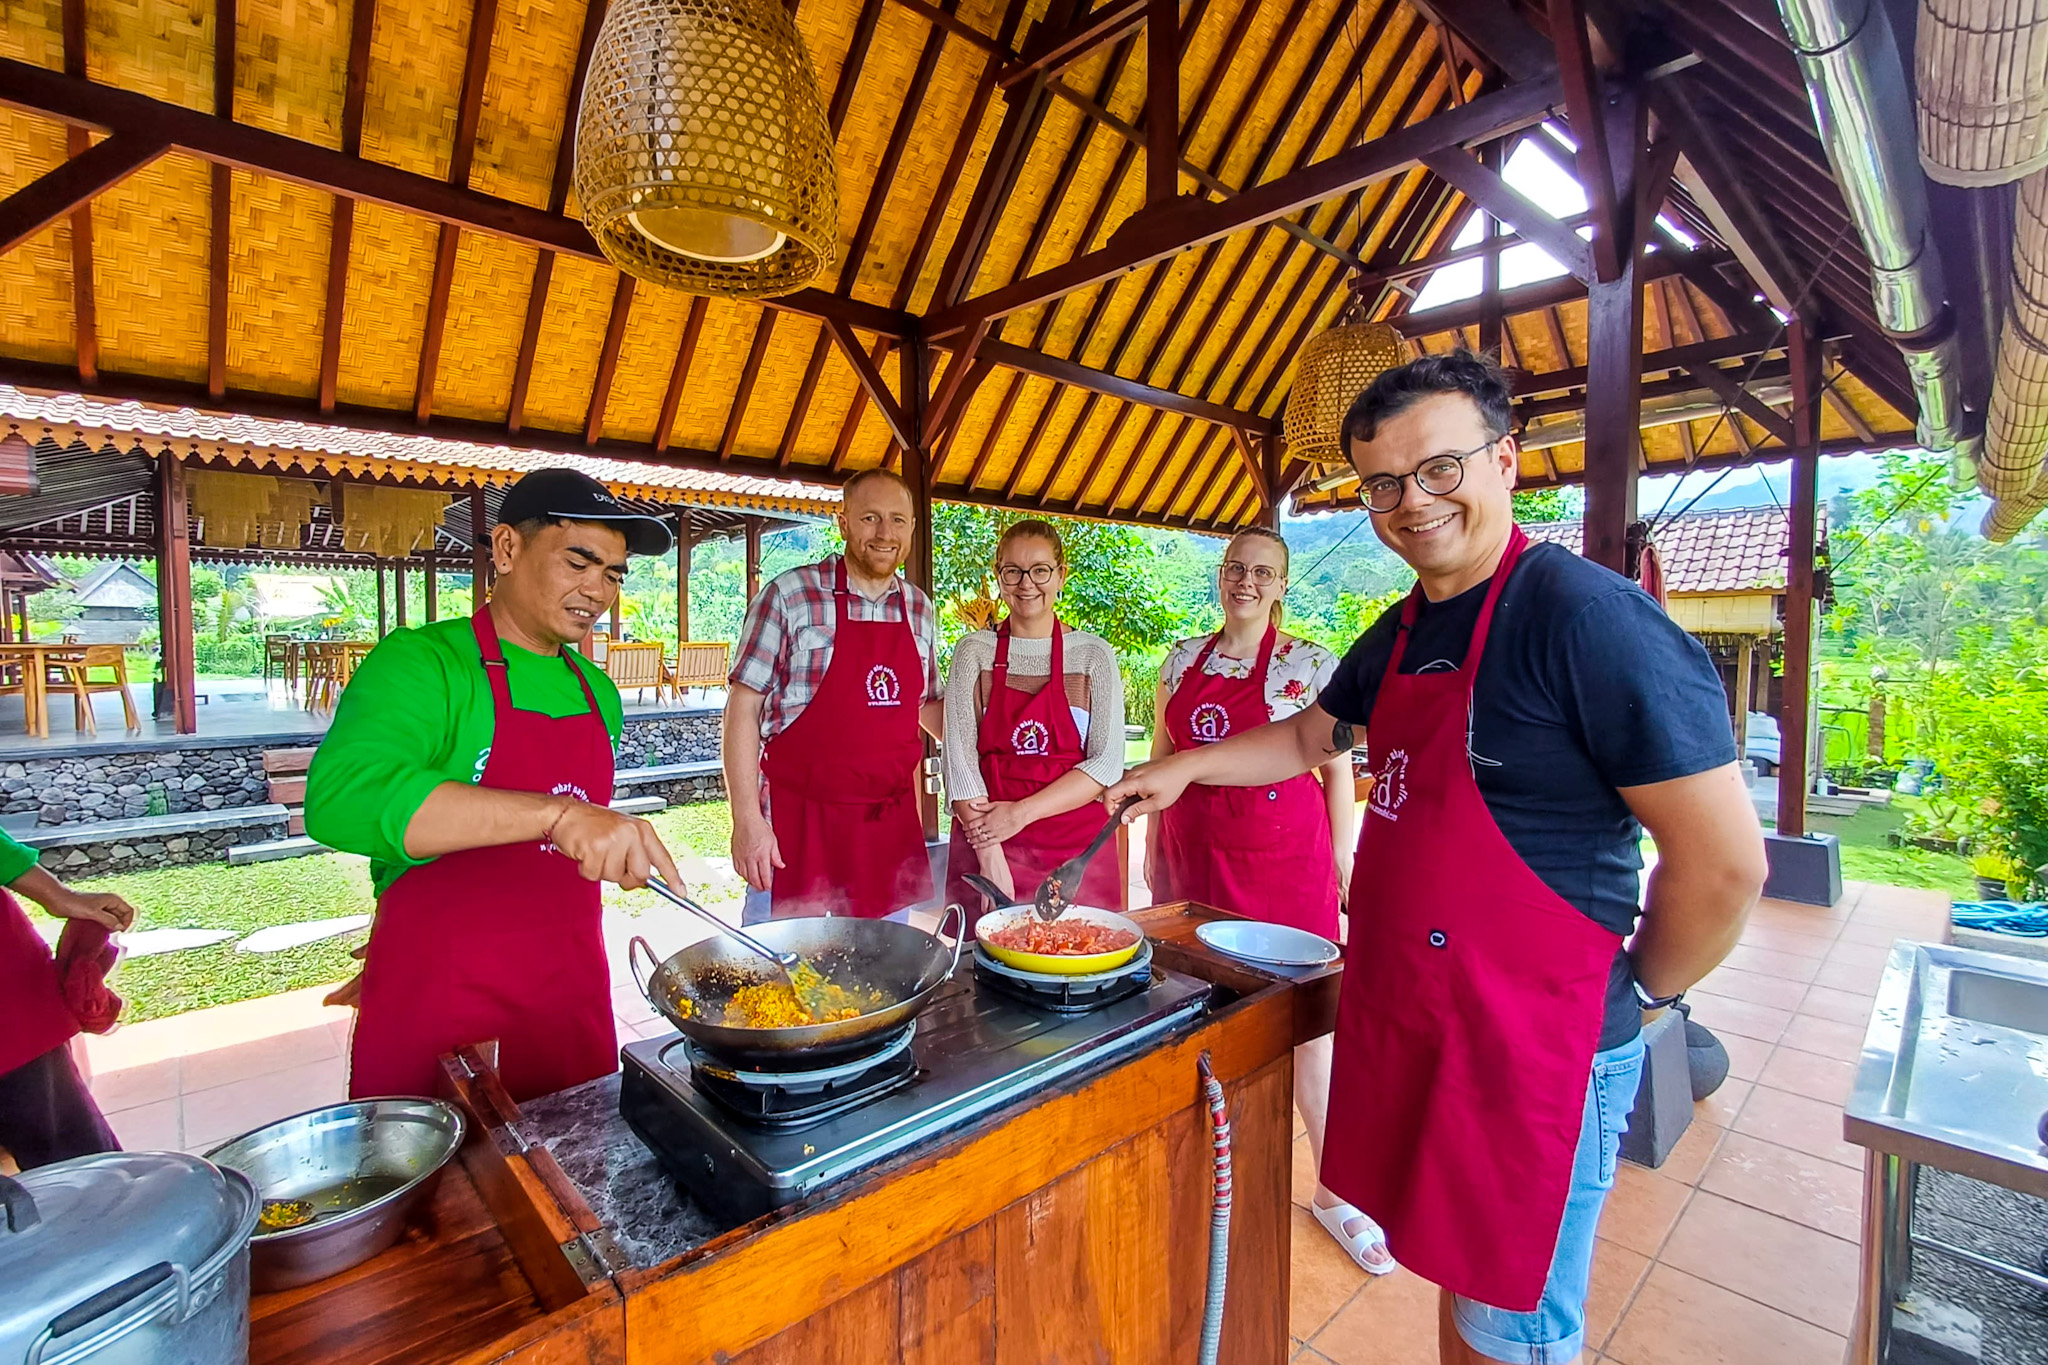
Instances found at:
x=1065 y=994
x=794 y=1099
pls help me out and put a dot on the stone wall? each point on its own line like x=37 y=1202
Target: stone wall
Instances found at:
x=78 y=789
x=160 y=841
x=688 y=738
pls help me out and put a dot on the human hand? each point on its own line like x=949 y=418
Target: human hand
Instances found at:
x=610 y=847
x=103 y=908
x=996 y=868
x=994 y=822
x=1157 y=785
x=755 y=853
x=349 y=994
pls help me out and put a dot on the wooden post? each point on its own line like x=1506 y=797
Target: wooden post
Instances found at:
x=398 y=591
x=1745 y=683
x=174 y=593
x=1793 y=713
x=683 y=548
x=1162 y=101
x=7 y=615
x=480 y=550
x=615 y=619
x=383 y=603
x=753 y=558
x=1269 y=467
x=915 y=382
x=1614 y=359
x=433 y=586
x=1491 y=320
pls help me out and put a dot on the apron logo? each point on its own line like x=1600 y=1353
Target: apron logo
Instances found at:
x=1209 y=722
x=1390 y=786
x=1031 y=737
x=883 y=689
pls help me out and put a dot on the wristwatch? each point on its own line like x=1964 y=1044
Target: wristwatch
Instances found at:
x=1652 y=1002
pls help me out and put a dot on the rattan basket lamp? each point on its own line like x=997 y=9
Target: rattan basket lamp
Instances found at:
x=703 y=158
x=1335 y=368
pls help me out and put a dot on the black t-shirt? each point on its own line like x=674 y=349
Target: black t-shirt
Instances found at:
x=1586 y=686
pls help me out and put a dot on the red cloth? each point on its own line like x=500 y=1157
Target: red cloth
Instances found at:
x=33 y=1017
x=1650 y=574
x=85 y=954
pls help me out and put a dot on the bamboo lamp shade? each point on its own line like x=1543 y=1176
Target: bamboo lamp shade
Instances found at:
x=1335 y=368
x=1983 y=89
x=704 y=161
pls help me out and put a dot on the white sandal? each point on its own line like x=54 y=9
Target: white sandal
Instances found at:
x=1356 y=1245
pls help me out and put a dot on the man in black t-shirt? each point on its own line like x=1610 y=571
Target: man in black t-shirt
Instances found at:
x=1487 y=1040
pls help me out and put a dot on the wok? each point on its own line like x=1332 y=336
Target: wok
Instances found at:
x=905 y=964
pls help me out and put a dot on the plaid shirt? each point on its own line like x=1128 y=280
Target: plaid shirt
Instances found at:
x=786 y=641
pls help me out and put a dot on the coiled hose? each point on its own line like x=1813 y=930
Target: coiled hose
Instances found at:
x=1219 y=1217
x=2019 y=919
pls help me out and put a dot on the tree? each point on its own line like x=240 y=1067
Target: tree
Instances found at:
x=1110 y=589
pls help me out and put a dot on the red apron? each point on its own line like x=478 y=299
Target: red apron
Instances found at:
x=1028 y=741
x=33 y=1016
x=1470 y=1009
x=1262 y=852
x=503 y=942
x=842 y=778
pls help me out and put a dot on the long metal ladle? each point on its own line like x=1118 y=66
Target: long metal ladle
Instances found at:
x=787 y=961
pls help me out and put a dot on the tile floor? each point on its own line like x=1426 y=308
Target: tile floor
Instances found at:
x=1740 y=1250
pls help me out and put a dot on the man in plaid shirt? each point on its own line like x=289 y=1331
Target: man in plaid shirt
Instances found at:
x=836 y=672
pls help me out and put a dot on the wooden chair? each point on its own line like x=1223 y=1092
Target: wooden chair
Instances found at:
x=322 y=662
x=698 y=664
x=73 y=674
x=637 y=666
x=281 y=660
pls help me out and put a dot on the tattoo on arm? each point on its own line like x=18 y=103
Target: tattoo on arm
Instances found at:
x=1340 y=738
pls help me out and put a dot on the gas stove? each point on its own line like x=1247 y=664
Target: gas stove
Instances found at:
x=744 y=1143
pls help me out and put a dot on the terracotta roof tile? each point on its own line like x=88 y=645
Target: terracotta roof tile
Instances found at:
x=1741 y=550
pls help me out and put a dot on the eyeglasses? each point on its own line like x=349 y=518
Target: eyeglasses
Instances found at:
x=1438 y=476
x=1013 y=574
x=1261 y=574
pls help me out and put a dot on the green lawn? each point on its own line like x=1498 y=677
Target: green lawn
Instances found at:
x=1867 y=856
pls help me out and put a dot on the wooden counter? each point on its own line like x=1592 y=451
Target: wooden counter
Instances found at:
x=1073 y=1226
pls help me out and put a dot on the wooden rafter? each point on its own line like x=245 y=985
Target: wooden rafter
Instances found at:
x=1484 y=186
x=1729 y=389
x=1584 y=94
x=84 y=301
x=220 y=204
x=749 y=375
x=608 y=359
x=1498 y=34
x=1374 y=277
x=1162 y=101
x=483 y=20
x=679 y=373
x=1052 y=49
x=558 y=198
x=87 y=104
x=341 y=233
x=71 y=185
x=1714 y=185
x=871 y=380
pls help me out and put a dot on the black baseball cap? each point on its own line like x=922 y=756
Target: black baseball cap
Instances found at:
x=566 y=495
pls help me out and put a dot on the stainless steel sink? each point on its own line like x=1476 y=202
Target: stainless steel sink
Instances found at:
x=1955 y=1065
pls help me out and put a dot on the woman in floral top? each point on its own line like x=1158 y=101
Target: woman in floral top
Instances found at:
x=1279 y=853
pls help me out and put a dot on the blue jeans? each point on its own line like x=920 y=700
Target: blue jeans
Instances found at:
x=1556 y=1331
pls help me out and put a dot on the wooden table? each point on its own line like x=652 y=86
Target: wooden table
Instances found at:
x=1071 y=1226
x=34 y=661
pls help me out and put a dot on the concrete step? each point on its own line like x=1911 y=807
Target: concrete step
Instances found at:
x=666 y=772
x=287 y=761
x=271 y=850
x=639 y=805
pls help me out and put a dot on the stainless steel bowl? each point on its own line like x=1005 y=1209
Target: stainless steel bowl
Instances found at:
x=363 y=1167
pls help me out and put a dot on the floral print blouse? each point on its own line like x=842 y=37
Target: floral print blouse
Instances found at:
x=1299 y=671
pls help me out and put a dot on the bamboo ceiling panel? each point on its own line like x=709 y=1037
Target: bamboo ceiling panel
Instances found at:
x=1265 y=87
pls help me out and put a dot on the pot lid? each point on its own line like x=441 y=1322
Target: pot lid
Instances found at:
x=75 y=1228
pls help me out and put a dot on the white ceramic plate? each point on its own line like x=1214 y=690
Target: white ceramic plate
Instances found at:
x=1274 y=943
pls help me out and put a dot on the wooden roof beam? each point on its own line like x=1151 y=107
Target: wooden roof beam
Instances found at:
x=679 y=373
x=341 y=227
x=1730 y=390
x=608 y=359
x=85 y=328
x=1162 y=102
x=1529 y=298
x=1373 y=277
x=1501 y=37
x=1485 y=187
x=72 y=184
x=1584 y=92
x=1049 y=52
x=87 y=104
x=1111 y=385
x=1156 y=237
x=483 y=19
x=1715 y=186
x=220 y=205
x=871 y=380
x=1739 y=347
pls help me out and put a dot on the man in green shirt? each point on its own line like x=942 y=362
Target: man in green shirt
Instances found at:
x=46 y=1112
x=472 y=762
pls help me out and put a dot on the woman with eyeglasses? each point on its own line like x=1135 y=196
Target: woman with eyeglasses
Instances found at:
x=1045 y=704
x=1281 y=852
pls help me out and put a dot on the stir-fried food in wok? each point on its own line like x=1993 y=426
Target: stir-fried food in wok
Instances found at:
x=1062 y=938
x=812 y=1000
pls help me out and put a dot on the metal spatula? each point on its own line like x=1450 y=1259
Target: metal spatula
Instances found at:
x=1051 y=902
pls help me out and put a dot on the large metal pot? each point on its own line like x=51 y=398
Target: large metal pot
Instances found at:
x=127 y=1258
x=905 y=964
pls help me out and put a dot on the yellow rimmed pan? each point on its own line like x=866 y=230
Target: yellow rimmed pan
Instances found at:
x=1058 y=964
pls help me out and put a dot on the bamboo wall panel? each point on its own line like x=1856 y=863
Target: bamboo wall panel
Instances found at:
x=291 y=67
x=150 y=269
x=159 y=48
x=1269 y=94
x=1203 y=142
x=480 y=337
x=775 y=387
x=872 y=444
x=917 y=181
x=35 y=277
x=837 y=387
x=277 y=284
x=959 y=194
x=571 y=335
x=1185 y=449
x=526 y=99
x=33 y=31
x=722 y=348
x=646 y=359
x=970 y=429
x=384 y=318
x=417 y=56
x=1061 y=125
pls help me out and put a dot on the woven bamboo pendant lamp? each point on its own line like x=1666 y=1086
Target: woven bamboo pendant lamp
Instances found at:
x=1982 y=69
x=1335 y=368
x=703 y=158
